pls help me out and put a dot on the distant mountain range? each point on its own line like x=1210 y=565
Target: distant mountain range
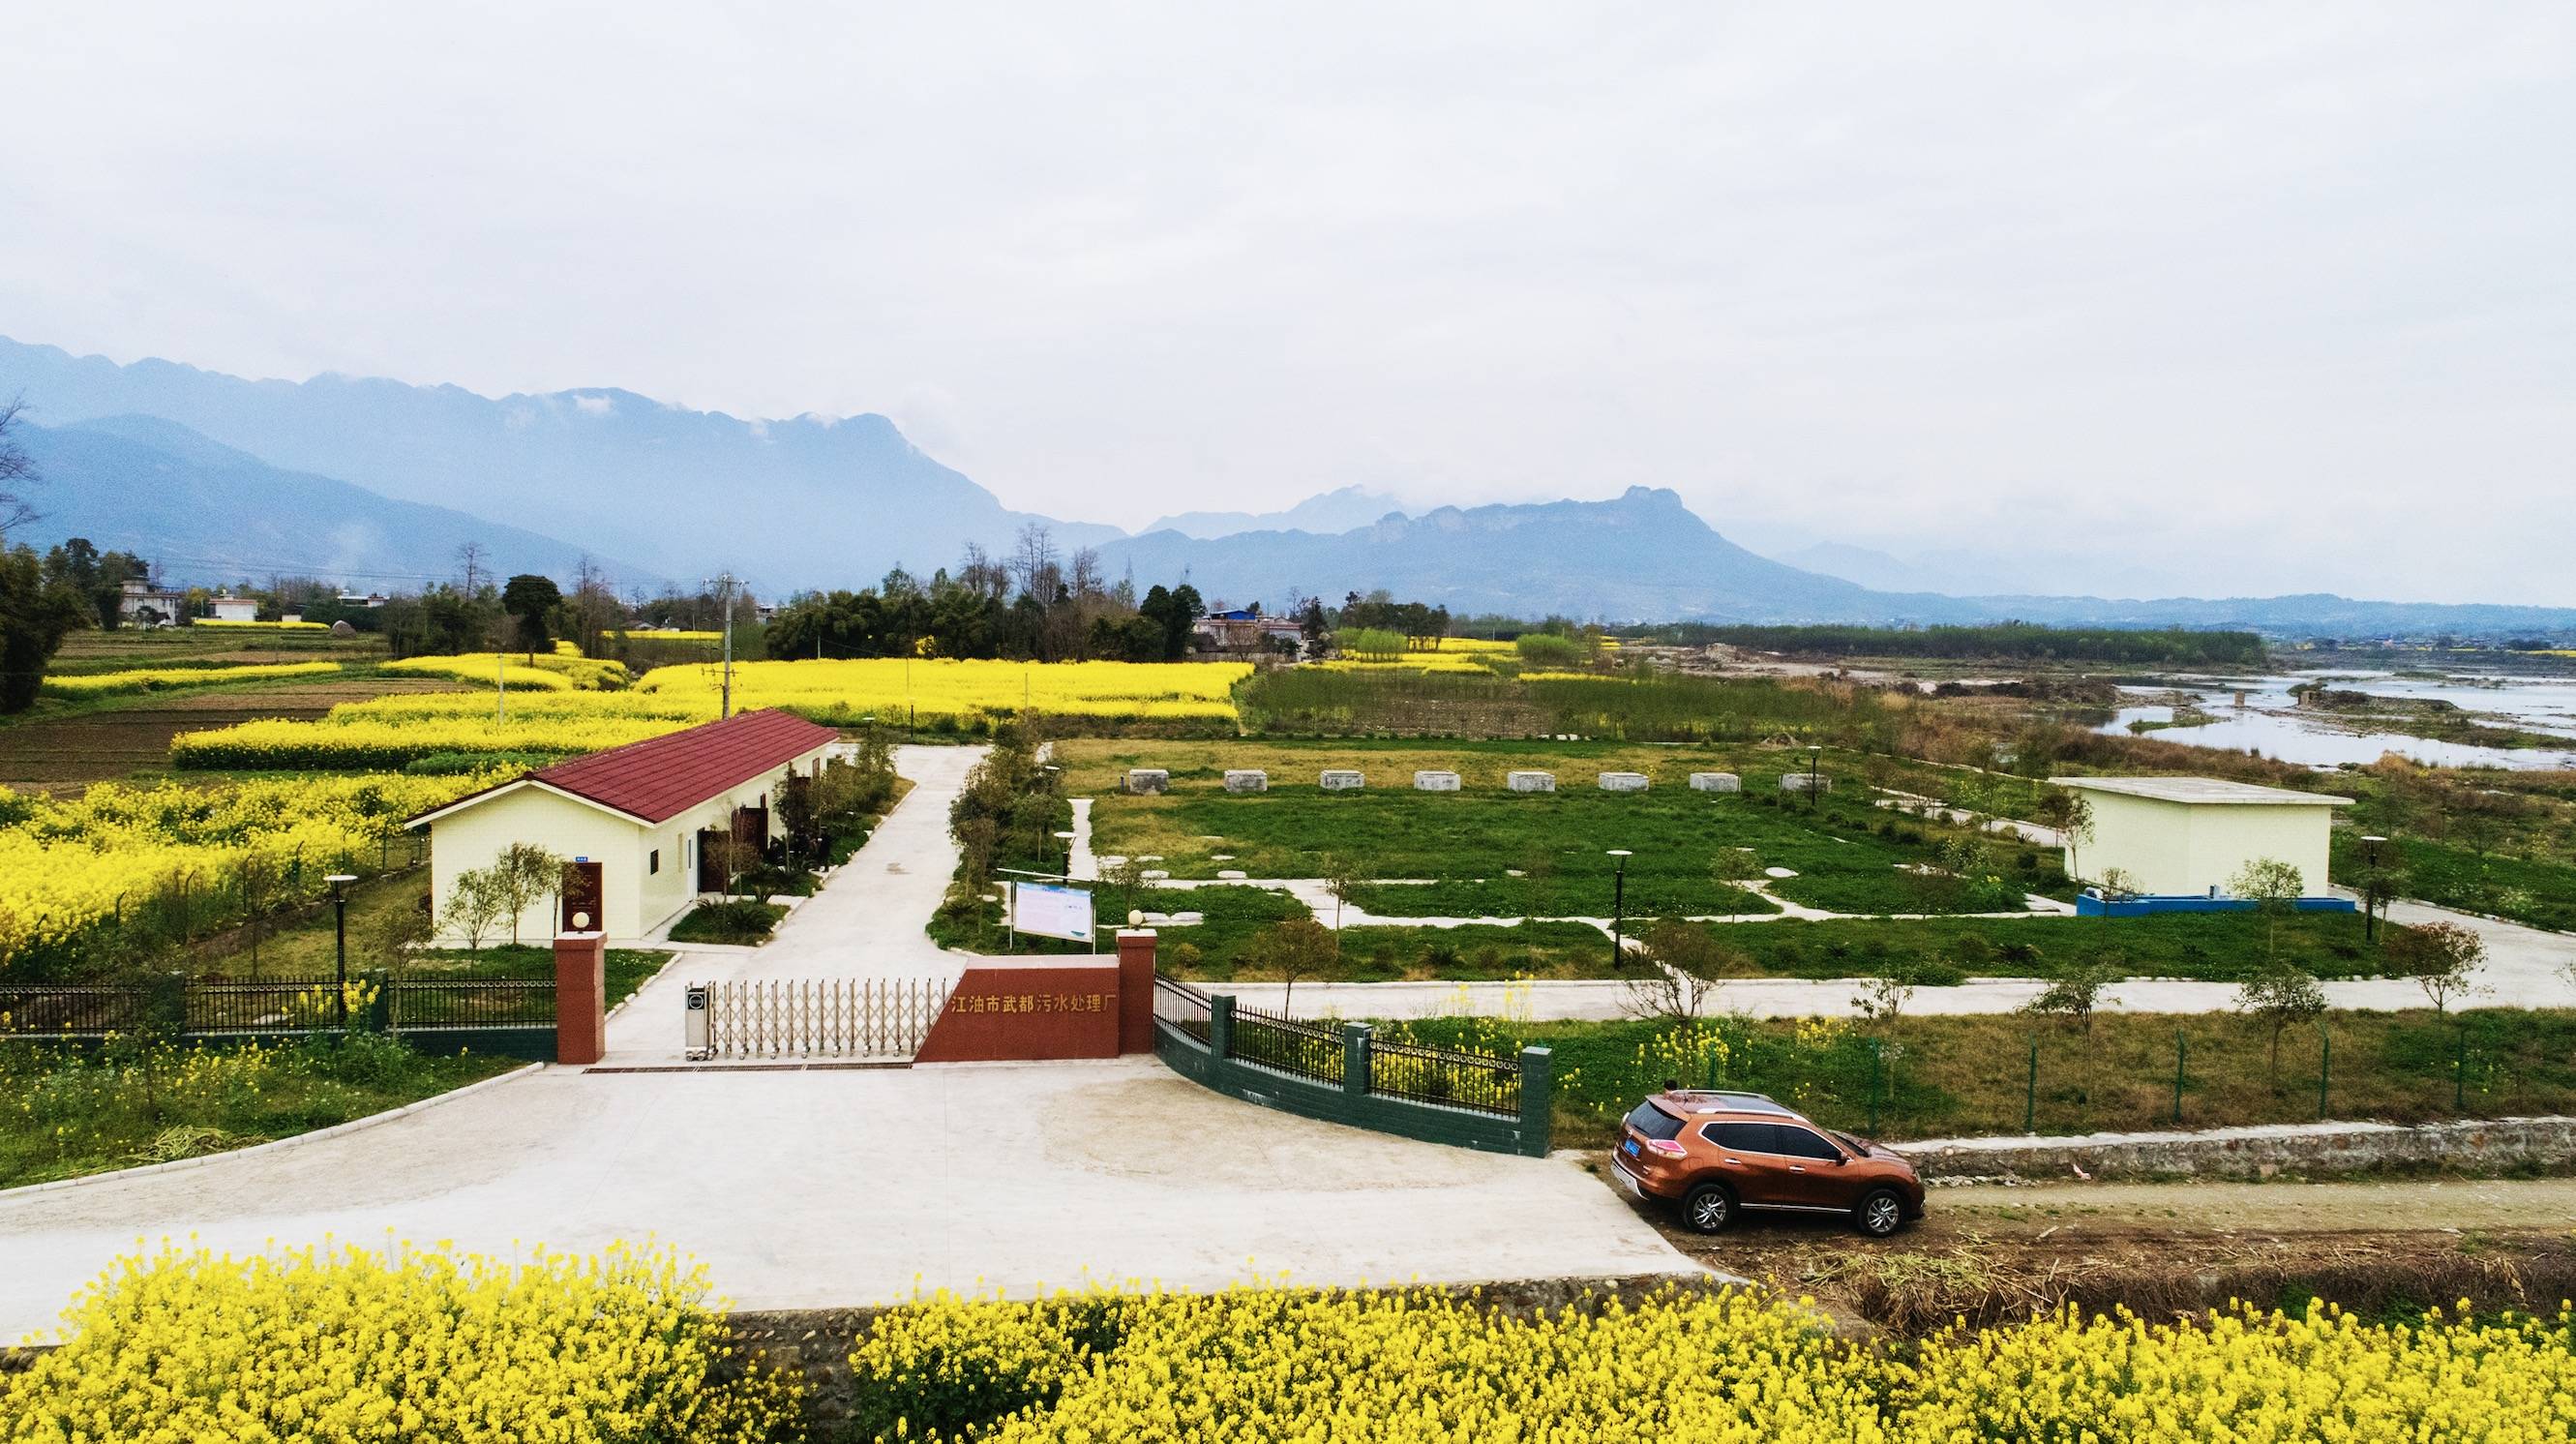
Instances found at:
x=1328 y=512
x=373 y=480
x=802 y=503
x=211 y=514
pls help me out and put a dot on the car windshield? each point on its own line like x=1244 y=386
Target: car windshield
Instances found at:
x=1654 y=1122
x=1854 y=1144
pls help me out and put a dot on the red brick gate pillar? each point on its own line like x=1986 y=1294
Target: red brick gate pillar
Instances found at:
x=581 y=997
x=1136 y=990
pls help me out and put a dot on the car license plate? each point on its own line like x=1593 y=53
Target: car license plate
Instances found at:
x=1631 y=1147
x=1630 y=1179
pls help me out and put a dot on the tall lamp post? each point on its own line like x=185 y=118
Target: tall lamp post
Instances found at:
x=339 y=882
x=1067 y=839
x=1619 y=908
x=2370 y=888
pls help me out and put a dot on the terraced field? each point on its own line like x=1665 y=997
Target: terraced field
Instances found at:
x=62 y=751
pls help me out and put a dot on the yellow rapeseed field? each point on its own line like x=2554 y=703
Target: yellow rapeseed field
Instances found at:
x=218 y=622
x=69 y=867
x=1419 y=1365
x=402 y=1344
x=161 y=679
x=969 y=693
x=549 y=670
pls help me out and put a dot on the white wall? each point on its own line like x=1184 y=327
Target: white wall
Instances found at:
x=2181 y=849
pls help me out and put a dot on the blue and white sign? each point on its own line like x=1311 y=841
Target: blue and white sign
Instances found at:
x=1051 y=911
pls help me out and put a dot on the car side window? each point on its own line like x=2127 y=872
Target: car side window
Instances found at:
x=1741 y=1137
x=1798 y=1142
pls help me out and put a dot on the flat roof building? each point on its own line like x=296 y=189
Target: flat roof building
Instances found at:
x=2184 y=836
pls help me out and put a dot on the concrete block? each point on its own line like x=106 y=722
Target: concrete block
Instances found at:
x=1149 y=779
x=1716 y=782
x=1339 y=780
x=1230 y=874
x=1797 y=782
x=1435 y=782
x=1623 y=782
x=1530 y=781
x=1246 y=779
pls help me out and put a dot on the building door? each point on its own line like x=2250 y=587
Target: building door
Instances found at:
x=711 y=844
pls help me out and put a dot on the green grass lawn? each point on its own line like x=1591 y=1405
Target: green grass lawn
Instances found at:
x=2216 y=947
x=1935 y=1077
x=2542 y=894
x=739 y=921
x=77 y=1111
x=1847 y=855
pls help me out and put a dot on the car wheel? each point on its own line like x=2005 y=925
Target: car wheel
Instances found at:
x=1880 y=1213
x=1708 y=1208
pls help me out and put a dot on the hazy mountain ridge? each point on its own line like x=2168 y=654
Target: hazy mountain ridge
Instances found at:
x=1327 y=513
x=210 y=514
x=810 y=501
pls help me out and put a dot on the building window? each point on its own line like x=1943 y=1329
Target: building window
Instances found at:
x=653 y=862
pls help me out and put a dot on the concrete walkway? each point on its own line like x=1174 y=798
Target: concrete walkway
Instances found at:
x=841 y=1188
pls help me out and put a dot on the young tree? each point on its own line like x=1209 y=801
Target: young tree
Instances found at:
x=1685 y=966
x=473 y=906
x=2277 y=998
x=2275 y=887
x=1885 y=992
x=2442 y=958
x=524 y=875
x=1339 y=879
x=2076 y=992
x=1297 y=948
x=2071 y=814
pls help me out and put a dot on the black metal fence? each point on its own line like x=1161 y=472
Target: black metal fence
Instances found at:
x=1178 y=1005
x=1275 y=1040
x=187 y=1008
x=505 y=1003
x=1441 y=1076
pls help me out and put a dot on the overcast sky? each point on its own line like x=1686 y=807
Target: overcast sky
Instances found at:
x=2239 y=300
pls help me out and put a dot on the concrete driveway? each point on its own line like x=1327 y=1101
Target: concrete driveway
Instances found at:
x=806 y=1189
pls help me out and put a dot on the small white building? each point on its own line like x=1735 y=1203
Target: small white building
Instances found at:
x=147 y=604
x=2187 y=836
x=233 y=609
x=644 y=813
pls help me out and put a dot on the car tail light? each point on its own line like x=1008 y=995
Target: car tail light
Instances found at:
x=1665 y=1146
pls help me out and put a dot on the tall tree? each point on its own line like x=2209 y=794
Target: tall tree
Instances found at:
x=531 y=601
x=16 y=467
x=34 y=613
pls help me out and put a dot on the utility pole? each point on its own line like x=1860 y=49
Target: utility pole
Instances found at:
x=724 y=581
x=500 y=686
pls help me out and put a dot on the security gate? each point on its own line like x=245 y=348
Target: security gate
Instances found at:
x=847 y=1018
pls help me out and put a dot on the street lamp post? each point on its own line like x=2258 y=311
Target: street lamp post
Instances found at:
x=339 y=882
x=1067 y=839
x=1815 y=760
x=1619 y=908
x=2370 y=889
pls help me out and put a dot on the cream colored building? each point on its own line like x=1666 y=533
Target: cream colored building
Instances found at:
x=2184 y=836
x=643 y=812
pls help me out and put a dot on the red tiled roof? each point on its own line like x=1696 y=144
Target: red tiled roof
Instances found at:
x=662 y=777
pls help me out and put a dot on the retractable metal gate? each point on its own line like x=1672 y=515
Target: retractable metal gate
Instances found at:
x=850 y=1018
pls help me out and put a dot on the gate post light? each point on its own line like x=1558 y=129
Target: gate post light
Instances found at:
x=339 y=882
x=1619 y=907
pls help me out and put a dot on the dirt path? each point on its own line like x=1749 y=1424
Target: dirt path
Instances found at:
x=2383 y=1249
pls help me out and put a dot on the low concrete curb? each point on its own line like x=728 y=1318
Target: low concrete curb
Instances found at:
x=2257 y=1152
x=316 y=1136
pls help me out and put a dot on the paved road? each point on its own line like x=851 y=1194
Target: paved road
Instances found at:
x=806 y=1189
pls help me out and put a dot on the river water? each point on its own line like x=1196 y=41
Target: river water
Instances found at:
x=2270 y=722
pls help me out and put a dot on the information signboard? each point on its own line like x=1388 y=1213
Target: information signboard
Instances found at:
x=1051 y=911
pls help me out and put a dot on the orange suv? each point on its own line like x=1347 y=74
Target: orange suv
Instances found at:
x=1715 y=1154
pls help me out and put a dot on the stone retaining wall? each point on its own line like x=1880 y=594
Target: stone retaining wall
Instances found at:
x=2483 y=1145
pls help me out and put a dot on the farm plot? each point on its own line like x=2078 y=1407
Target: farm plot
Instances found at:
x=1484 y=851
